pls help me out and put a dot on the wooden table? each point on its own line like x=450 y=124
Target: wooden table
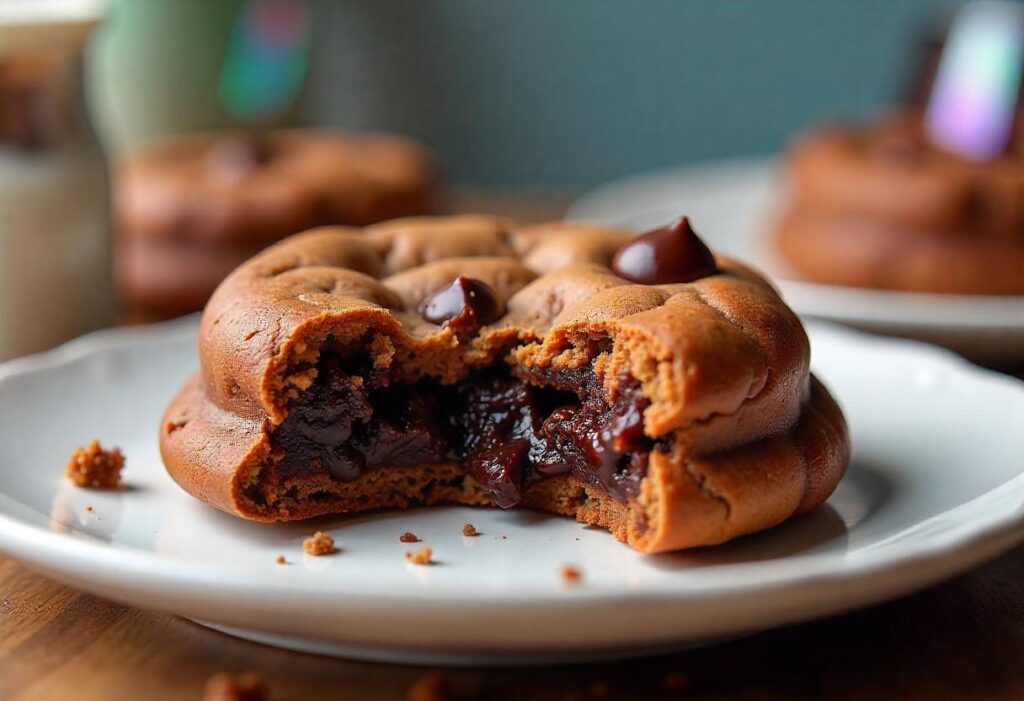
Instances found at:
x=960 y=640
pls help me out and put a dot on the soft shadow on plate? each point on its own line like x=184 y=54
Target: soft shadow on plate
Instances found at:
x=797 y=535
x=94 y=512
x=866 y=488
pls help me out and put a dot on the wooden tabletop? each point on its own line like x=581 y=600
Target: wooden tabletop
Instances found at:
x=961 y=640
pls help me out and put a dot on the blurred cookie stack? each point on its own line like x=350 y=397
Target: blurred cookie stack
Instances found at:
x=929 y=199
x=883 y=206
x=190 y=209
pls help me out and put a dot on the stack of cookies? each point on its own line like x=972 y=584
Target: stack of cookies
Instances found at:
x=190 y=209
x=882 y=206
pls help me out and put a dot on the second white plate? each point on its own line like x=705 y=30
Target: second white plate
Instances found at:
x=732 y=204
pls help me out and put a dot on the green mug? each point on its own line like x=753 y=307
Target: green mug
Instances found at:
x=163 y=67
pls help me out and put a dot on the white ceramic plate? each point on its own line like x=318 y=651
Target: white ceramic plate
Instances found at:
x=732 y=204
x=935 y=488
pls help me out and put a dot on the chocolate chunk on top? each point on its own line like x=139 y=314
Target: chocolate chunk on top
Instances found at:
x=670 y=254
x=466 y=304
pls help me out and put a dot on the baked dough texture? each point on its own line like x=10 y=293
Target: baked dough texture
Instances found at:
x=740 y=435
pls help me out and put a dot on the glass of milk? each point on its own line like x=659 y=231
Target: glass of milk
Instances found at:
x=55 y=270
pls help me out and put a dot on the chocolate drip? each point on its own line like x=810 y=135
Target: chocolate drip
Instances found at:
x=465 y=305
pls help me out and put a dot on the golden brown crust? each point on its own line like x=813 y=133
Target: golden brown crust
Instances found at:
x=747 y=439
x=880 y=207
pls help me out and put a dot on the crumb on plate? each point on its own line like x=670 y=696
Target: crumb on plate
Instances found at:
x=570 y=575
x=420 y=557
x=432 y=686
x=469 y=530
x=281 y=560
x=409 y=537
x=319 y=544
x=247 y=686
x=92 y=466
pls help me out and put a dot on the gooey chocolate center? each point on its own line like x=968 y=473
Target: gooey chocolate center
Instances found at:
x=508 y=432
x=507 y=428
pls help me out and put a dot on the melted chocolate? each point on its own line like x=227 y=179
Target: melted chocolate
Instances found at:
x=465 y=305
x=506 y=432
x=344 y=427
x=603 y=441
x=317 y=430
x=496 y=425
x=671 y=254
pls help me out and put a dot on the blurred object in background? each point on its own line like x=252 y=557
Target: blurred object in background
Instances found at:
x=165 y=67
x=266 y=60
x=919 y=81
x=977 y=92
x=925 y=200
x=55 y=280
x=190 y=209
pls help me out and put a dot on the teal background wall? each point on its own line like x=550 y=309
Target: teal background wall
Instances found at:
x=574 y=92
x=565 y=93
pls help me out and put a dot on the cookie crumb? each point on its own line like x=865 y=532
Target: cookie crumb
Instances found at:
x=318 y=544
x=676 y=681
x=247 y=686
x=420 y=557
x=433 y=686
x=469 y=530
x=92 y=466
x=89 y=509
x=570 y=575
x=281 y=560
x=504 y=537
x=408 y=537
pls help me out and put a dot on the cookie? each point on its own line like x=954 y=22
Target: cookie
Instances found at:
x=642 y=384
x=189 y=210
x=882 y=207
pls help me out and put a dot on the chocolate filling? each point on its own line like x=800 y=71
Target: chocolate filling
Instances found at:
x=507 y=431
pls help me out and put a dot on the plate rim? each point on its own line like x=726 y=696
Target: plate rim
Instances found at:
x=30 y=542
